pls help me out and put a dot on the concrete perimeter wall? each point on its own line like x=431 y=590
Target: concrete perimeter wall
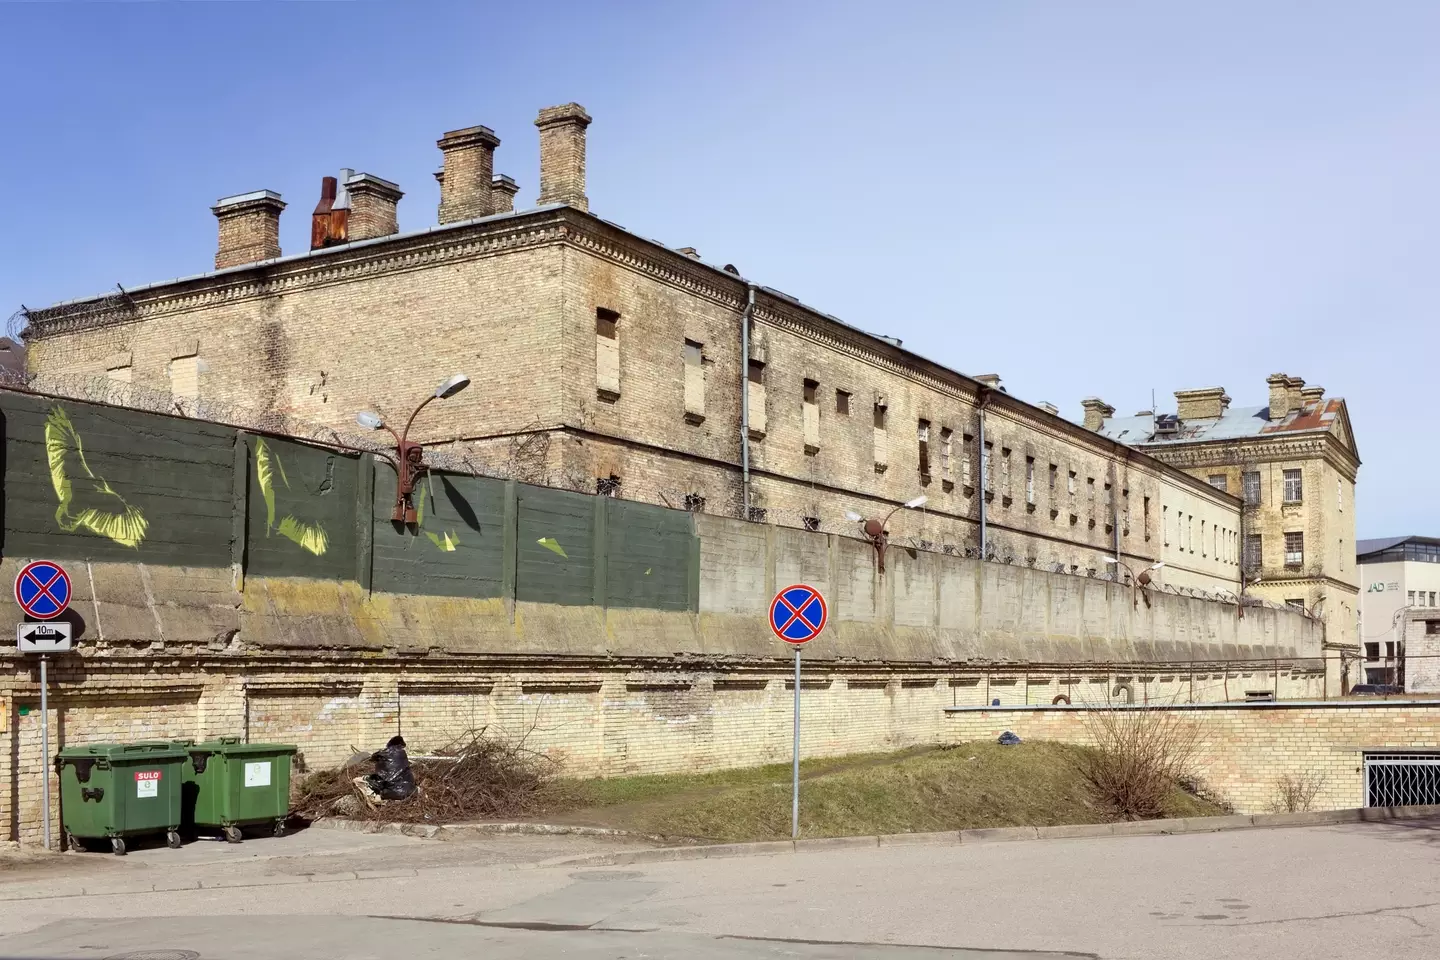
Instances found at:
x=1246 y=749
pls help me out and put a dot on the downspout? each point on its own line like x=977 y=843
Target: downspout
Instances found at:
x=745 y=320
x=1115 y=510
x=984 y=475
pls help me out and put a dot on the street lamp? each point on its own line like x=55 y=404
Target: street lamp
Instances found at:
x=410 y=456
x=875 y=529
x=1136 y=580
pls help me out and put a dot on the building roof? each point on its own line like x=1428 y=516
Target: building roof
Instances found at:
x=1235 y=423
x=1365 y=547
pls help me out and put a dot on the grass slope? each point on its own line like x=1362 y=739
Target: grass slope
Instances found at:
x=922 y=790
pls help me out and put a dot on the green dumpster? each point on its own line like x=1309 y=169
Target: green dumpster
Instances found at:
x=229 y=785
x=118 y=790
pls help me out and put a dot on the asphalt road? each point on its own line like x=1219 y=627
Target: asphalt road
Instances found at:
x=1367 y=891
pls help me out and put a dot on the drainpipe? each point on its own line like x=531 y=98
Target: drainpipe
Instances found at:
x=984 y=475
x=1115 y=511
x=745 y=319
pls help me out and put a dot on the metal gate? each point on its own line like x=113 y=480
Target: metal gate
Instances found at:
x=1401 y=779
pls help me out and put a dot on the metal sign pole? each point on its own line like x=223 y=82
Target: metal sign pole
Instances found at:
x=795 y=773
x=45 y=744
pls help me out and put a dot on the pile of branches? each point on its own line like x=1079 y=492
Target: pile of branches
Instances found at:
x=477 y=777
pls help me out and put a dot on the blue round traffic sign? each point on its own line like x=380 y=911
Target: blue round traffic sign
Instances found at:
x=798 y=614
x=43 y=590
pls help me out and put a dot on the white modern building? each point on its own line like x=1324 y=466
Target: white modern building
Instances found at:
x=1398 y=575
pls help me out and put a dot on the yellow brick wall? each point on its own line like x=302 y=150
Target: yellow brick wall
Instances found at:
x=513 y=303
x=1246 y=750
x=593 y=721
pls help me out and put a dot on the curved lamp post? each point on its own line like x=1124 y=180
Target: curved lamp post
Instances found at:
x=1142 y=579
x=875 y=529
x=410 y=456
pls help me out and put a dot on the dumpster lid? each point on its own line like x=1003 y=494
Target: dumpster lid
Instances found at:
x=230 y=746
x=139 y=752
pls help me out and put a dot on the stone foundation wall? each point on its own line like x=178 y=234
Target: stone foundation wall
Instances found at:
x=1246 y=750
x=596 y=718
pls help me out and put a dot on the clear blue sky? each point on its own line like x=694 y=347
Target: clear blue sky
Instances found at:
x=1087 y=198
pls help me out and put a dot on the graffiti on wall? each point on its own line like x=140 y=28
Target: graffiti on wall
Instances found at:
x=305 y=534
x=87 y=501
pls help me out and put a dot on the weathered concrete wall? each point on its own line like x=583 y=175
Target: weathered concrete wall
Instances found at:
x=931 y=606
x=1246 y=750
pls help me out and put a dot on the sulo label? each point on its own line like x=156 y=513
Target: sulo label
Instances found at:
x=147 y=783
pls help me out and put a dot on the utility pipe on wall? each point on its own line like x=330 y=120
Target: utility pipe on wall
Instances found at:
x=984 y=474
x=745 y=320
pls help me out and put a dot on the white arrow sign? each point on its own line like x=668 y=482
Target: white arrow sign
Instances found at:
x=43 y=637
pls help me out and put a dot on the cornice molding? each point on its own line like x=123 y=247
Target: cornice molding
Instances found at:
x=1263 y=449
x=270 y=278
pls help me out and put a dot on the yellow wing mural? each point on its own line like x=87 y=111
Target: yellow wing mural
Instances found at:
x=307 y=535
x=447 y=540
x=86 y=501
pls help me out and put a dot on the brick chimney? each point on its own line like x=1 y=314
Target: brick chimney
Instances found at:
x=1296 y=391
x=1207 y=403
x=1049 y=408
x=562 y=155
x=1097 y=411
x=249 y=228
x=372 y=206
x=469 y=170
x=1279 y=396
x=991 y=380
x=502 y=194
x=1312 y=394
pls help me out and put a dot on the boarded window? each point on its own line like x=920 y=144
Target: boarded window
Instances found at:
x=1146 y=519
x=881 y=440
x=184 y=377
x=842 y=403
x=755 y=374
x=922 y=433
x=811 y=413
x=694 y=382
x=607 y=354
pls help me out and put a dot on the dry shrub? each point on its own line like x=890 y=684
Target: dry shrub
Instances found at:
x=1296 y=793
x=478 y=777
x=1139 y=757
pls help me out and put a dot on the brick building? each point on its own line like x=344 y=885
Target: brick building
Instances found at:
x=606 y=361
x=1292 y=462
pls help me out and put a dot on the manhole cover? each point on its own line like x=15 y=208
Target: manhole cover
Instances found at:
x=608 y=875
x=157 y=955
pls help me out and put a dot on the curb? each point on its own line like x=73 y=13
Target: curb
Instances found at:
x=1136 y=828
x=479 y=831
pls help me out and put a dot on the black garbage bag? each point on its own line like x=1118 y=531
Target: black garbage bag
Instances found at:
x=392 y=779
x=1008 y=739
